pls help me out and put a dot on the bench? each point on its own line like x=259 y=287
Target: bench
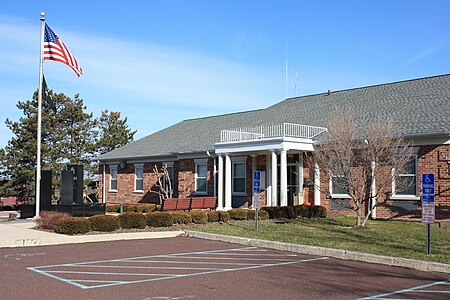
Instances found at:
x=189 y=203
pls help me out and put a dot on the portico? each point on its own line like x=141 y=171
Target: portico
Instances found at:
x=283 y=146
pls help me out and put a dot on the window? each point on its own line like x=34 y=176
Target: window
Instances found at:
x=338 y=186
x=405 y=183
x=169 y=167
x=201 y=180
x=139 y=177
x=239 y=175
x=113 y=177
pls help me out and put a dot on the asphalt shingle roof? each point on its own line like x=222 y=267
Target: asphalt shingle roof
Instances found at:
x=417 y=106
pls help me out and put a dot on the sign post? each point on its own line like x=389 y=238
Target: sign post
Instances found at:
x=256 y=203
x=428 y=205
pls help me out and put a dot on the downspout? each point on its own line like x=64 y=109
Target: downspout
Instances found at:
x=214 y=173
x=214 y=176
x=104 y=184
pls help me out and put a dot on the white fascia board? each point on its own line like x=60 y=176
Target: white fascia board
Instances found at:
x=286 y=143
x=444 y=140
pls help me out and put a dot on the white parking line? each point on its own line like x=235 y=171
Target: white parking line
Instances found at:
x=93 y=279
x=417 y=289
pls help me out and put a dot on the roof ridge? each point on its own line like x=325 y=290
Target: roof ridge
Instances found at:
x=364 y=87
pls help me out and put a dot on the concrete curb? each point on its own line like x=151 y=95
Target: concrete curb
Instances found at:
x=321 y=251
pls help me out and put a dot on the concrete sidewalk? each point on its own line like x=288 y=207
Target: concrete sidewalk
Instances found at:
x=20 y=233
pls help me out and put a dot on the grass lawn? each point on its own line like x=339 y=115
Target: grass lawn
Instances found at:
x=391 y=238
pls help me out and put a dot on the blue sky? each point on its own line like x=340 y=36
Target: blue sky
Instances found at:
x=160 y=62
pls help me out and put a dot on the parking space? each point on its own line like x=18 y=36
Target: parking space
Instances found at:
x=432 y=290
x=189 y=268
x=105 y=273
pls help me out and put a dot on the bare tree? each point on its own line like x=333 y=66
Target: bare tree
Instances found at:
x=350 y=158
x=163 y=183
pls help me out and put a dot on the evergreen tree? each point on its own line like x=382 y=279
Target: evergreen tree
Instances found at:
x=113 y=132
x=68 y=137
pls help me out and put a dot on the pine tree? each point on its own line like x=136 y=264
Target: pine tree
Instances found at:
x=113 y=132
x=68 y=137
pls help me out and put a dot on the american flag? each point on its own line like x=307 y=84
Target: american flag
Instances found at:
x=54 y=49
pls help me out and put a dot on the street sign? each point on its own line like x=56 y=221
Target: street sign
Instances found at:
x=428 y=184
x=427 y=199
x=257 y=181
x=256 y=201
x=428 y=213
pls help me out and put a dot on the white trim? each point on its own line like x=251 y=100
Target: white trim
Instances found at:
x=113 y=167
x=200 y=162
x=136 y=167
x=339 y=196
x=395 y=196
x=234 y=161
x=286 y=143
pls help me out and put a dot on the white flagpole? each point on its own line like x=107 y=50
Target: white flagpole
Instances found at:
x=38 y=148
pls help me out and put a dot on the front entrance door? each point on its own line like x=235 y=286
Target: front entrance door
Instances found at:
x=292 y=178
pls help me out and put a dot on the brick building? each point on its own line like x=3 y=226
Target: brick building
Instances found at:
x=216 y=155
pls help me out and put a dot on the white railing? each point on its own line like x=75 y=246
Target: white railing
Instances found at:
x=269 y=131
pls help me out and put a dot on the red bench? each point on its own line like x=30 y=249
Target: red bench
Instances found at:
x=189 y=203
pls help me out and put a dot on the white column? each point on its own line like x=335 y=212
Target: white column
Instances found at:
x=274 y=179
x=300 y=179
x=269 y=182
x=283 y=178
x=373 y=192
x=220 y=184
x=227 y=182
x=316 y=184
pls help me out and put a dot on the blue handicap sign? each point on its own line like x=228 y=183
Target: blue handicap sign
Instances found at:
x=428 y=184
x=427 y=199
x=256 y=175
x=256 y=183
x=256 y=189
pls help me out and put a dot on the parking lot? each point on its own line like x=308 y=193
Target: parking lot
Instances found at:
x=188 y=268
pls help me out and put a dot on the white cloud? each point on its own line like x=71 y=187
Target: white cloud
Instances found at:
x=427 y=52
x=136 y=78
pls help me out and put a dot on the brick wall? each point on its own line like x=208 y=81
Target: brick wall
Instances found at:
x=183 y=184
x=430 y=159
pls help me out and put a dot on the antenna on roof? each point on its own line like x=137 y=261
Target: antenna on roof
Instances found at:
x=296 y=83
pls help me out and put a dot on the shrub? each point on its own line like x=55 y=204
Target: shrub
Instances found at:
x=269 y=210
x=288 y=212
x=159 y=219
x=130 y=220
x=73 y=225
x=199 y=217
x=130 y=208
x=104 y=223
x=49 y=219
x=262 y=214
x=224 y=216
x=181 y=217
x=306 y=211
x=238 y=214
x=145 y=208
x=213 y=216
x=318 y=211
x=113 y=208
x=275 y=212
x=298 y=209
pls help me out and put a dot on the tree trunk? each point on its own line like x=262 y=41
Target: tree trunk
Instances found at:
x=359 y=221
